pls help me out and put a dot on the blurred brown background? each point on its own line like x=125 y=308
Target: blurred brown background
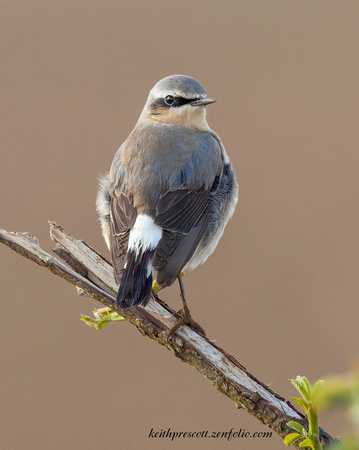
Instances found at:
x=281 y=291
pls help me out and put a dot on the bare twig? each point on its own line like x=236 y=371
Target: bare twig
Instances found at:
x=92 y=275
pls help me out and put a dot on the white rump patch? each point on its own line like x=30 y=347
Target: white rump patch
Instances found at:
x=103 y=207
x=144 y=235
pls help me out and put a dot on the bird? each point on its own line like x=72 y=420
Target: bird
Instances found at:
x=169 y=194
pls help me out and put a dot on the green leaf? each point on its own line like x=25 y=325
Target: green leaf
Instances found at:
x=317 y=388
x=155 y=287
x=306 y=443
x=306 y=383
x=291 y=438
x=303 y=386
x=300 y=402
x=88 y=320
x=103 y=316
x=101 y=324
x=296 y=426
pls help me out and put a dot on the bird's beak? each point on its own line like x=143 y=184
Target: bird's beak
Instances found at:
x=203 y=102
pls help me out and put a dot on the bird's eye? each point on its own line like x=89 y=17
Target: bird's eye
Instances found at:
x=169 y=100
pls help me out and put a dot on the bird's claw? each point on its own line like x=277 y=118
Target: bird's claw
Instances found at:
x=185 y=318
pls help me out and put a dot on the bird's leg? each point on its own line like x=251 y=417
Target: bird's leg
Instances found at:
x=185 y=317
x=183 y=296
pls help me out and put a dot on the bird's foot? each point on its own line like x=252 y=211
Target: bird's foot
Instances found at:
x=185 y=318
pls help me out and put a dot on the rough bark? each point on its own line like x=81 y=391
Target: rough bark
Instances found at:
x=92 y=275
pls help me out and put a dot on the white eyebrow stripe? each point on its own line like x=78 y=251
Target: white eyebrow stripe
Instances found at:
x=161 y=93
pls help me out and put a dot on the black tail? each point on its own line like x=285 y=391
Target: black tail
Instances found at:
x=136 y=280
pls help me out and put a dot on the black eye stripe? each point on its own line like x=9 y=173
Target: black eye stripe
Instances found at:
x=178 y=101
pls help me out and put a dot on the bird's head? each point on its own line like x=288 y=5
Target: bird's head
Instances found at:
x=178 y=100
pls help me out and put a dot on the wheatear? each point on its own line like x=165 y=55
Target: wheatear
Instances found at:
x=169 y=194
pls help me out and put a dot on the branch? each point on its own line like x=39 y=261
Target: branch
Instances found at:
x=92 y=274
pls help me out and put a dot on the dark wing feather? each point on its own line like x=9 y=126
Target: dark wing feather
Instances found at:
x=181 y=210
x=123 y=216
x=183 y=215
